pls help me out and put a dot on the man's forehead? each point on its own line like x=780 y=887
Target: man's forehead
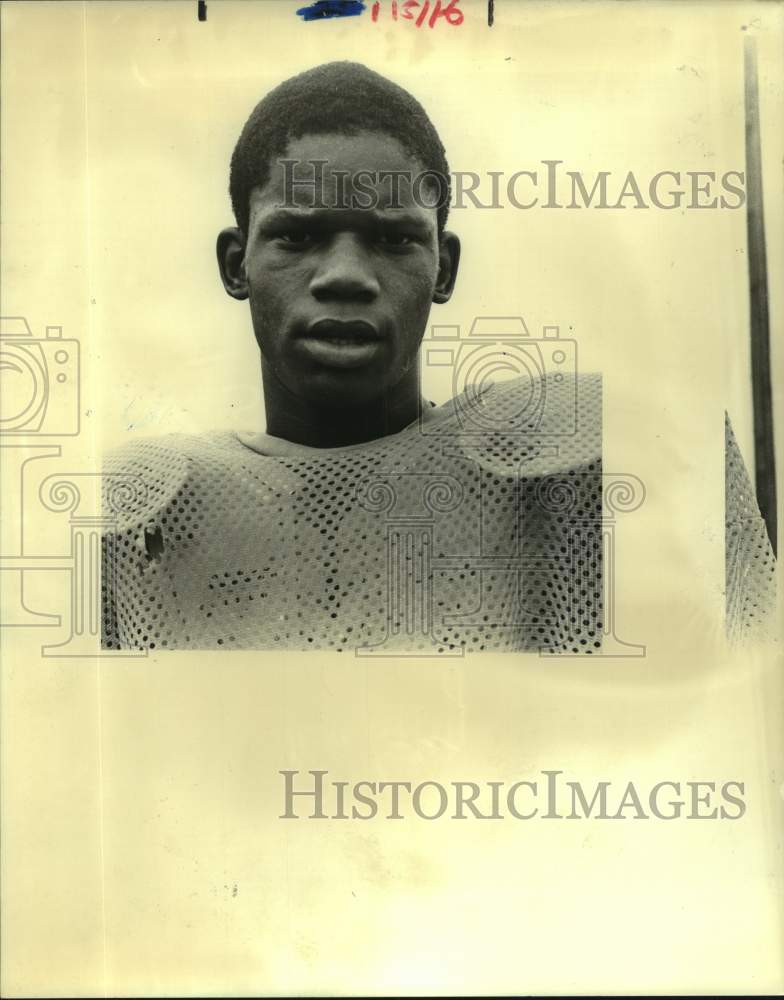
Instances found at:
x=387 y=199
x=361 y=149
x=339 y=178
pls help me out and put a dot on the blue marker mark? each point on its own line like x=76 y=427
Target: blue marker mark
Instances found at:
x=320 y=10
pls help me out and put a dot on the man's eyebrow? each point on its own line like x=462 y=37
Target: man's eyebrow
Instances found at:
x=321 y=216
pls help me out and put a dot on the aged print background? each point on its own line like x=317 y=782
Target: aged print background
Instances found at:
x=142 y=849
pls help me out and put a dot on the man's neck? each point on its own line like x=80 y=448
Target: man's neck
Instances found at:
x=303 y=422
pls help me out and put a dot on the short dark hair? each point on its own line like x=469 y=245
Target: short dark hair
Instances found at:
x=337 y=97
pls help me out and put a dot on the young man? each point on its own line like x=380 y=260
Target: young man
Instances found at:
x=363 y=517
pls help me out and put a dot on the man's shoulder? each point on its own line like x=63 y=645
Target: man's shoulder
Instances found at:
x=142 y=477
x=549 y=422
x=544 y=402
x=550 y=401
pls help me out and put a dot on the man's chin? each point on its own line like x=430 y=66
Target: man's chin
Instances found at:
x=343 y=388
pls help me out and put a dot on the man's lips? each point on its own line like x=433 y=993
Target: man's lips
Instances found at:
x=341 y=343
x=345 y=331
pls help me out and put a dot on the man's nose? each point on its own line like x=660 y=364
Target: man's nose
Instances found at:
x=345 y=271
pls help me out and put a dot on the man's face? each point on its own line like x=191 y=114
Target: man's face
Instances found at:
x=340 y=296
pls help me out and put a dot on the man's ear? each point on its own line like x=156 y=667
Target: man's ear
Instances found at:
x=231 y=262
x=448 y=260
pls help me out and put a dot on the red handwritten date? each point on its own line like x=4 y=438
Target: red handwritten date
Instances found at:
x=418 y=10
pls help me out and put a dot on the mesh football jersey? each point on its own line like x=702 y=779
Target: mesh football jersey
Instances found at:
x=750 y=565
x=478 y=528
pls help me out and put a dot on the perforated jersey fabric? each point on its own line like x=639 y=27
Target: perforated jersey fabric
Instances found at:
x=750 y=565
x=477 y=528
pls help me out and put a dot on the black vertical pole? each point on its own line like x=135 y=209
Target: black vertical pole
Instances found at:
x=764 y=455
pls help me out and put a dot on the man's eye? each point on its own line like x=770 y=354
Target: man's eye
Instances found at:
x=294 y=238
x=395 y=239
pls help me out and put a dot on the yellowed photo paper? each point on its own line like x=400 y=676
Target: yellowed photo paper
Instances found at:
x=391 y=415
